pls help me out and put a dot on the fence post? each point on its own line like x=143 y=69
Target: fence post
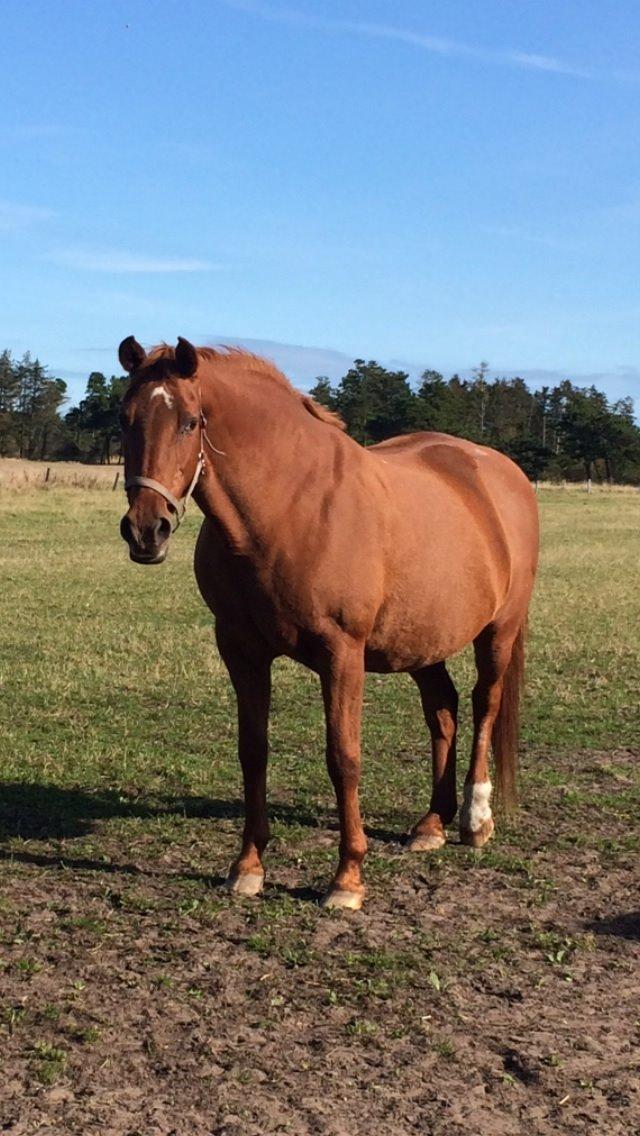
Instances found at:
x=116 y=479
x=46 y=476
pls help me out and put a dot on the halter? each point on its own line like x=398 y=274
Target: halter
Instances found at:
x=179 y=506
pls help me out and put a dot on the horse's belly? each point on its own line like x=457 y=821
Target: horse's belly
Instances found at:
x=427 y=621
x=401 y=649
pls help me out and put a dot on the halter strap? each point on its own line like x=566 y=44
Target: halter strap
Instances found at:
x=179 y=506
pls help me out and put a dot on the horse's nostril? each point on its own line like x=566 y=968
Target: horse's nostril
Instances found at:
x=163 y=529
x=125 y=529
x=145 y=539
x=156 y=533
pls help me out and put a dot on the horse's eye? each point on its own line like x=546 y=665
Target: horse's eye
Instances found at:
x=189 y=426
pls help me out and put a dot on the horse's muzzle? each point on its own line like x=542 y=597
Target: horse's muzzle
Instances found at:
x=148 y=544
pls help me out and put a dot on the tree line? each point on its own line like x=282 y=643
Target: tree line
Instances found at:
x=556 y=432
x=561 y=432
x=32 y=422
x=30 y=403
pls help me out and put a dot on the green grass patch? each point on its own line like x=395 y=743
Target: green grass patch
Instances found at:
x=118 y=715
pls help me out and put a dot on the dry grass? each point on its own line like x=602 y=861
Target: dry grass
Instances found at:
x=17 y=473
x=597 y=487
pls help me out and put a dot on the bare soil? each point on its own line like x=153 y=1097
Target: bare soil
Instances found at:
x=496 y=993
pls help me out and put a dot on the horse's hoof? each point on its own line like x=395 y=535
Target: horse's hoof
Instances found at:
x=481 y=835
x=425 y=842
x=246 y=883
x=347 y=900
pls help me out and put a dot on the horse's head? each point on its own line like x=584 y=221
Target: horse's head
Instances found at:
x=161 y=419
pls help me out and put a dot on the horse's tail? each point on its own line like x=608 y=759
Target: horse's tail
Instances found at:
x=506 y=728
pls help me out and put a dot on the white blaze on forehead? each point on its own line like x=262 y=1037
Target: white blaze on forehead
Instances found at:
x=476 y=808
x=163 y=393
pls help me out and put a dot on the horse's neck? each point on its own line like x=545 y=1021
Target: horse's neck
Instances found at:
x=267 y=445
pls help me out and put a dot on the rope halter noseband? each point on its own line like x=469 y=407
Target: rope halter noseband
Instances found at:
x=179 y=506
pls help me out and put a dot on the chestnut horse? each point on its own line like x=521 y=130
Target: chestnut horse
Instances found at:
x=346 y=559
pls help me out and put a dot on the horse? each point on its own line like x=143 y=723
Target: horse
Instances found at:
x=344 y=558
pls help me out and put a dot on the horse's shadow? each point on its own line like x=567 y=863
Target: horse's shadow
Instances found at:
x=625 y=925
x=50 y=812
x=44 y=812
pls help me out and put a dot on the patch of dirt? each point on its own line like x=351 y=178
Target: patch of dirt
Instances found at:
x=495 y=993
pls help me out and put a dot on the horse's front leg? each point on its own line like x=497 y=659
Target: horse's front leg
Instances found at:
x=342 y=688
x=251 y=678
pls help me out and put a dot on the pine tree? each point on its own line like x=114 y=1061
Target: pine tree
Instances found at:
x=9 y=392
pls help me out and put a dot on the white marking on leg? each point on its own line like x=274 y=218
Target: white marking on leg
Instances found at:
x=476 y=807
x=164 y=393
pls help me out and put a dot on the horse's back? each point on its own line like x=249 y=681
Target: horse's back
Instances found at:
x=485 y=480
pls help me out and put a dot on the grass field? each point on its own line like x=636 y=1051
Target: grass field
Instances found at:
x=493 y=992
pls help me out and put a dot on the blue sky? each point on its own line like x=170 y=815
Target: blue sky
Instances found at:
x=430 y=183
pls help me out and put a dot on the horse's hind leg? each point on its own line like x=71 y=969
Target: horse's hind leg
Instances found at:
x=493 y=649
x=440 y=706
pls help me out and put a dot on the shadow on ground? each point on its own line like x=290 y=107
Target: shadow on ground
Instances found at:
x=623 y=926
x=33 y=811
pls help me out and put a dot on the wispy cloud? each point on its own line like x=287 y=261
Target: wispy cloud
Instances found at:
x=15 y=216
x=121 y=261
x=300 y=363
x=449 y=47
x=436 y=45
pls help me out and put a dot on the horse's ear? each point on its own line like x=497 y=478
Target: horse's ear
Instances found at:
x=131 y=354
x=186 y=358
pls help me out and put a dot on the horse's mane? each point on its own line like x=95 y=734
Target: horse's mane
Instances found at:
x=331 y=417
x=238 y=355
x=230 y=356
